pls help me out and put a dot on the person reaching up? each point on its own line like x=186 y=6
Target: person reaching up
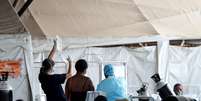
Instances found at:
x=51 y=83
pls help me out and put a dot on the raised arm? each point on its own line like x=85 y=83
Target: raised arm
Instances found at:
x=52 y=52
x=69 y=71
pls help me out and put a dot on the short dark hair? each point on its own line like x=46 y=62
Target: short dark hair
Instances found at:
x=100 y=98
x=81 y=65
x=47 y=65
x=177 y=84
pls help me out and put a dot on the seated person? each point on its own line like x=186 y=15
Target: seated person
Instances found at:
x=78 y=85
x=111 y=85
x=178 y=89
x=100 y=98
x=178 y=98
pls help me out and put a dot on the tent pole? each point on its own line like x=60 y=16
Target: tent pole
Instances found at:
x=24 y=7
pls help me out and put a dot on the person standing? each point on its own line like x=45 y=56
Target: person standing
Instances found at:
x=78 y=85
x=51 y=83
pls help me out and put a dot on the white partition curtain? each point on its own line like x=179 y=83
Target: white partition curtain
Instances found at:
x=184 y=67
x=136 y=60
x=173 y=63
x=14 y=47
x=141 y=66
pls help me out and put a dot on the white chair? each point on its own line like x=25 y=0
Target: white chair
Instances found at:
x=91 y=95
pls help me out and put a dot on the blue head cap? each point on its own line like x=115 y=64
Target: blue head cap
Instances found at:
x=108 y=70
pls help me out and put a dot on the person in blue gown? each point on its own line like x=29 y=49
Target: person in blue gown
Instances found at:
x=113 y=87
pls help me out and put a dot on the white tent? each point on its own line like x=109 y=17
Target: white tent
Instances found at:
x=81 y=24
x=118 y=18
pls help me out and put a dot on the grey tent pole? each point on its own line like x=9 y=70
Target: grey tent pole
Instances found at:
x=24 y=7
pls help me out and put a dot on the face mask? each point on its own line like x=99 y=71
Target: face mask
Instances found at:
x=180 y=93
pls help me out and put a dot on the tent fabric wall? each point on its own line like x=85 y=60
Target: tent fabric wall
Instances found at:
x=78 y=42
x=184 y=67
x=20 y=85
x=138 y=60
x=142 y=64
x=15 y=47
x=162 y=58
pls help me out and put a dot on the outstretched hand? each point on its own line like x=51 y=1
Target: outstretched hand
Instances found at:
x=55 y=42
x=53 y=50
x=69 y=72
x=68 y=59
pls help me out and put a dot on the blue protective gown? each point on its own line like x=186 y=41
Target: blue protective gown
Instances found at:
x=113 y=88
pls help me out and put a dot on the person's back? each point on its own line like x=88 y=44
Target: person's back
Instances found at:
x=111 y=85
x=51 y=85
x=78 y=85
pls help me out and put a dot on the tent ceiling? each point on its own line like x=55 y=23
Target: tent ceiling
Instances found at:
x=173 y=17
x=9 y=21
x=88 y=18
x=109 y=18
x=118 y=17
